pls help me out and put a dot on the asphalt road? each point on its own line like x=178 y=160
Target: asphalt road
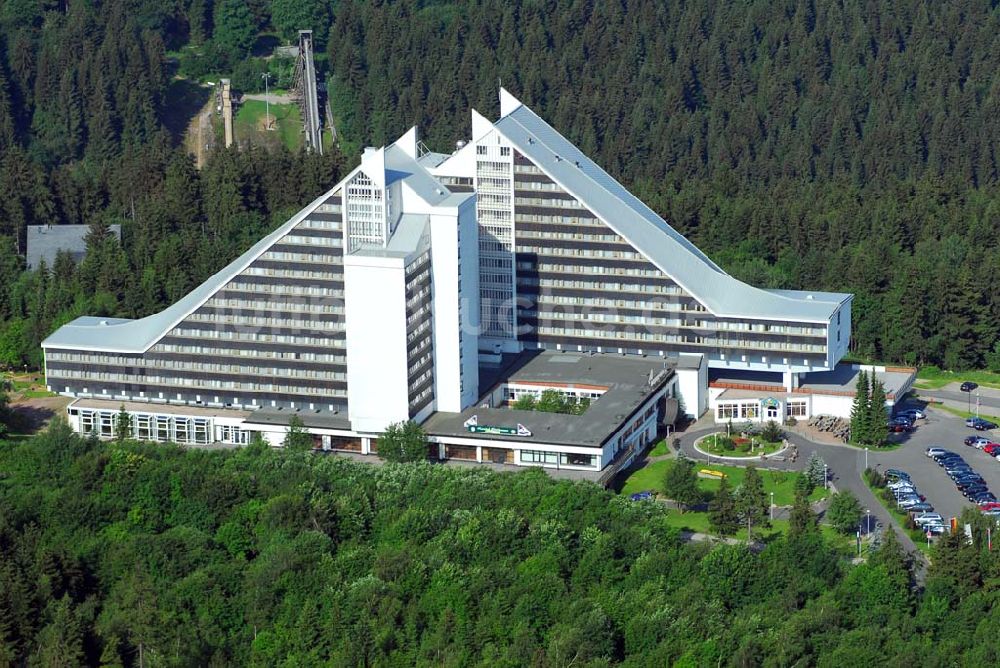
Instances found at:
x=989 y=399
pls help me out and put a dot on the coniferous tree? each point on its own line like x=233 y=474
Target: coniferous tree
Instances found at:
x=802 y=519
x=123 y=425
x=860 y=410
x=722 y=514
x=751 y=499
x=816 y=470
x=877 y=430
x=680 y=483
x=297 y=438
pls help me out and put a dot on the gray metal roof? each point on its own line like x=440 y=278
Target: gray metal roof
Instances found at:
x=623 y=212
x=625 y=377
x=137 y=336
x=45 y=242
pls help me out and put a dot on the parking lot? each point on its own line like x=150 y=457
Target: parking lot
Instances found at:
x=947 y=431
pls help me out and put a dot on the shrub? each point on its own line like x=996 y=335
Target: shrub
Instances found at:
x=791 y=421
x=771 y=431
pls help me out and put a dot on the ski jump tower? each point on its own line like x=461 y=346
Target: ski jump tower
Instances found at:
x=306 y=92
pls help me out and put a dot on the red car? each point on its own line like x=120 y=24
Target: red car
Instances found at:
x=992 y=505
x=992 y=449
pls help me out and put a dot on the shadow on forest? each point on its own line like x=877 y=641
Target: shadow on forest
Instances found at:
x=184 y=100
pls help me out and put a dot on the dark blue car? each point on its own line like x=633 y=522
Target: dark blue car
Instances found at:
x=642 y=496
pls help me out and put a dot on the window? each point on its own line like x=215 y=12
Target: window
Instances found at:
x=795 y=409
x=727 y=411
x=539 y=457
x=750 y=411
x=576 y=459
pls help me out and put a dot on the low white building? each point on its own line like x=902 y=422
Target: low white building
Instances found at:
x=746 y=397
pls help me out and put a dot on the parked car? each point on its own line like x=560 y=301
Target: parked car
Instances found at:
x=935 y=529
x=922 y=507
x=913 y=413
x=899 y=427
x=985 y=425
x=992 y=505
x=909 y=503
x=642 y=496
x=948 y=458
x=976 y=441
x=970 y=477
x=928 y=517
x=992 y=449
x=968 y=386
x=896 y=474
x=970 y=491
x=933 y=451
x=972 y=421
x=985 y=497
x=956 y=470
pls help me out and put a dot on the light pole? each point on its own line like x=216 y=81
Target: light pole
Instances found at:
x=266 y=76
x=866 y=457
x=772 y=505
x=868 y=521
x=826 y=477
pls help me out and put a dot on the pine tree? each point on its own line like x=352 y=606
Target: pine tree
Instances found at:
x=802 y=520
x=297 y=438
x=751 y=499
x=123 y=425
x=680 y=483
x=722 y=515
x=859 y=410
x=816 y=470
x=878 y=432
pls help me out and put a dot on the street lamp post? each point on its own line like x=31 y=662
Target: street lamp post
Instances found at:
x=772 y=505
x=266 y=76
x=866 y=457
x=826 y=477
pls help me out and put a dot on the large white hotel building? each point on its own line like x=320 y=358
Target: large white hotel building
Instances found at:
x=437 y=288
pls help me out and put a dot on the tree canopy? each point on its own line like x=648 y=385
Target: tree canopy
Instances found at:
x=261 y=556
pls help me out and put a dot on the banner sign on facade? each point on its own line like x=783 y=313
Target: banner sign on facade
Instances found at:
x=472 y=425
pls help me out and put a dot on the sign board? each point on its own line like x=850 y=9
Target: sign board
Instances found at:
x=472 y=425
x=770 y=402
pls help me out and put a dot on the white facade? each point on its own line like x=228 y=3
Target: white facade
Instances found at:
x=374 y=298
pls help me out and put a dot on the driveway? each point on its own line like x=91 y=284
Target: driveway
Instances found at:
x=845 y=463
x=989 y=398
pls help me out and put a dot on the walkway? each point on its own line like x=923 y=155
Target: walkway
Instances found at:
x=846 y=464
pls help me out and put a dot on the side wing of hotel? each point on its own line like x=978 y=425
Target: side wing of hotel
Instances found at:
x=441 y=288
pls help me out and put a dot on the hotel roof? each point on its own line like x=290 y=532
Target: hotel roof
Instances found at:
x=626 y=382
x=623 y=212
x=127 y=336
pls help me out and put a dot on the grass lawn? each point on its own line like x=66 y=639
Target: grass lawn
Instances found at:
x=965 y=414
x=932 y=378
x=782 y=484
x=712 y=445
x=660 y=449
x=250 y=121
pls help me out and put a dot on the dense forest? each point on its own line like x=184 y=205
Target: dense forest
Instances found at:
x=844 y=146
x=112 y=552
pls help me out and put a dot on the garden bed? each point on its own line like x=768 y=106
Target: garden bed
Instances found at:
x=721 y=445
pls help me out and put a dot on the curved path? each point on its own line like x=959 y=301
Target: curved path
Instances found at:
x=846 y=464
